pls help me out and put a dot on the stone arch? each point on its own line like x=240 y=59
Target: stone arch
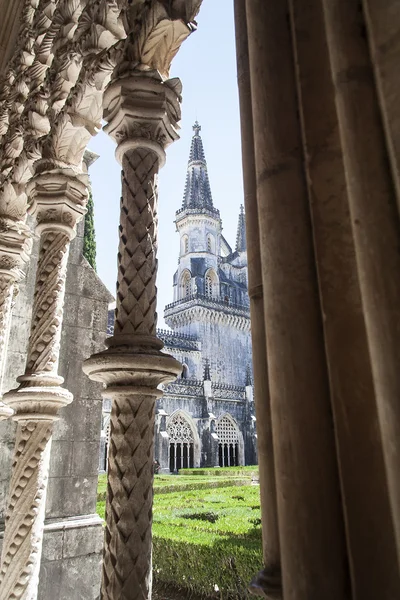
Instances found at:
x=185 y=284
x=230 y=442
x=211 y=283
x=185 y=244
x=184 y=442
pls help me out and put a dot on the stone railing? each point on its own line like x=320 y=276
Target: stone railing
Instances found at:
x=194 y=387
x=187 y=387
x=228 y=392
x=210 y=301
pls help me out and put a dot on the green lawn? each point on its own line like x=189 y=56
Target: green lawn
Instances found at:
x=206 y=530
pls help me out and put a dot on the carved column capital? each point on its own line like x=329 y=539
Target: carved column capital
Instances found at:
x=58 y=199
x=142 y=111
x=15 y=247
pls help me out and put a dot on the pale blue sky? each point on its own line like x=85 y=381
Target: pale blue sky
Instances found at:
x=206 y=64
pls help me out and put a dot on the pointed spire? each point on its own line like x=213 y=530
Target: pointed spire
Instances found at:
x=197 y=192
x=249 y=379
x=241 y=244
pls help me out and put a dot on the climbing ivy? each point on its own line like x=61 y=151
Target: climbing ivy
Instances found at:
x=89 y=236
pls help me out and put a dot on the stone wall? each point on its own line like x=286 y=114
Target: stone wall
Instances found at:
x=73 y=533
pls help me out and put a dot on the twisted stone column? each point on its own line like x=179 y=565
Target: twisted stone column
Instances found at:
x=58 y=200
x=268 y=581
x=143 y=120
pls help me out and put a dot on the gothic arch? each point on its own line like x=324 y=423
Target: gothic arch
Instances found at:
x=185 y=284
x=184 y=442
x=185 y=244
x=231 y=444
x=211 y=283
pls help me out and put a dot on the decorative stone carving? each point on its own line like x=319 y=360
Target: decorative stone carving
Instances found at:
x=58 y=200
x=142 y=113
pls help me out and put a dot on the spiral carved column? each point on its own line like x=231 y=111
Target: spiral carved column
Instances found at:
x=58 y=201
x=143 y=120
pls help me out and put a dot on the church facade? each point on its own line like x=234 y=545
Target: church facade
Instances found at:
x=206 y=417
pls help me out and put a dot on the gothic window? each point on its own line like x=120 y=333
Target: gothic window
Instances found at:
x=211 y=283
x=228 y=443
x=185 y=284
x=185 y=244
x=209 y=286
x=210 y=243
x=181 y=443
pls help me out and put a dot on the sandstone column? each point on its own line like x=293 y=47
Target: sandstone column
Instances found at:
x=268 y=581
x=375 y=217
x=359 y=442
x=313 y=553
x=58 y=200
x=142 y=111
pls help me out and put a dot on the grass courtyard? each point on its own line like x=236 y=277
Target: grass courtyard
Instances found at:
x=206 y=530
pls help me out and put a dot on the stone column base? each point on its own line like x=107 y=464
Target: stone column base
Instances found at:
x=71 y=558
x=267 y=584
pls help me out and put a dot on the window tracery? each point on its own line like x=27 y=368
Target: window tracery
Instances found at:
x=181 y=447
x=228 y=435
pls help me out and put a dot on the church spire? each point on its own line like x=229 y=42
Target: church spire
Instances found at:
x=241 y=245
x=197 y=192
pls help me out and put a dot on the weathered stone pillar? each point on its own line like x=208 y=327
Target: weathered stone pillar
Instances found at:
x=142 y=112
x=359 y=443
x=58 y=200
x=375 y=217
x=268 y=582
x=313 y=552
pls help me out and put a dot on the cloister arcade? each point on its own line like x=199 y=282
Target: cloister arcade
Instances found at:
x=319 y=92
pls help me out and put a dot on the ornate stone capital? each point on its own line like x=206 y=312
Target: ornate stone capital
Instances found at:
x=15 y=247
x=143 y=111
x=58 y=199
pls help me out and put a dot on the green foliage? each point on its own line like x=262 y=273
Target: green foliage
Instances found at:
x=221 y=471
x=196 y=552
x=89 y=236
x=207 y=537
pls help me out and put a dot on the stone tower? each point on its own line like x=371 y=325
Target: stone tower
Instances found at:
x=206 y=418
x=211 y=300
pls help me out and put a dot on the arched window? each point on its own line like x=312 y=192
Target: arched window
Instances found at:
x=185 y=287
x=211 y=284
x=181 y=443
x=209 y=287
x=185 y=244
x=228 y=436
x=210 y=243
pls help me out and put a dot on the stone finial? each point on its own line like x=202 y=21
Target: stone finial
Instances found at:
x=241 y=244
x=249 y=378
